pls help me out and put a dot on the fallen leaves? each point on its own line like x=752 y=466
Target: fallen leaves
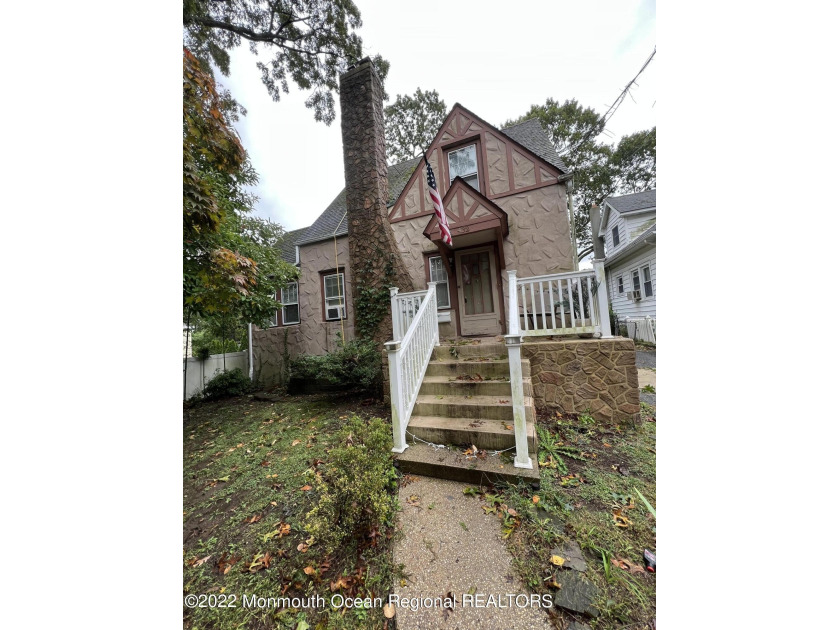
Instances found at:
x=389 y=610
x=306 y=488
x=620 y=519
x=622 y=563
x=226 y=563
x=254 y=519
x=342 y=582
x=309 y=571
x=260 y=562
x=557 y=561
x=281 y=529
x=535 y=499
x=571 y=481
x=414 y=501
x=296 y=442
x=195 y=562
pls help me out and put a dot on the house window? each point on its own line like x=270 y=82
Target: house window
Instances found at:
x=621 y=284
x=334 y=306
x=437 y=273
x=297 y=254
x=462 y=162
x=647 y=281
x=291 y=308
x=615 y=236
x=636 y=285
x=273 y=317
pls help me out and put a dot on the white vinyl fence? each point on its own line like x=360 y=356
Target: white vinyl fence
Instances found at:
x=641 y=329
x=199 y=372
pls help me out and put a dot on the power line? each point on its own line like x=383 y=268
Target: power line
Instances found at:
x=614 y=107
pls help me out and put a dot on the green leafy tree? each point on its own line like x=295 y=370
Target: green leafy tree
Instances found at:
x=411 y=123
x=312 y=42
x=634 y=159
x=232 y=265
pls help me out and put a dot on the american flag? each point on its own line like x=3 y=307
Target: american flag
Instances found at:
x=439 y=212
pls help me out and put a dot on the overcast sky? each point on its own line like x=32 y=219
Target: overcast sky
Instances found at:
x=495 y=58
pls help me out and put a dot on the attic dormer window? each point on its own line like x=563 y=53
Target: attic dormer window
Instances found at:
x=463 y=163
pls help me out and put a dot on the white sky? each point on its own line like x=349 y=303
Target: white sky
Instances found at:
x=495 y=58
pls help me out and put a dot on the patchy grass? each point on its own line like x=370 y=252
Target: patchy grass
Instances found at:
x=586 y=472
x=251 y=476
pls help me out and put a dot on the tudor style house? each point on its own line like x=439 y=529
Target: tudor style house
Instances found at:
x=628 y=231
x=510 y=271
x=504 y=191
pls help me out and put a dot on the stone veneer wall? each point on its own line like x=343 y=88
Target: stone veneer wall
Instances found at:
x=597 y=376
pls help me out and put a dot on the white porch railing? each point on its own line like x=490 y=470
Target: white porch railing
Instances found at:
x=404 y=306
x=556 y=304
x=416 y=334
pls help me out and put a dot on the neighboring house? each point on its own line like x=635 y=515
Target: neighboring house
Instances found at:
x=628 y=230
x=504 y=191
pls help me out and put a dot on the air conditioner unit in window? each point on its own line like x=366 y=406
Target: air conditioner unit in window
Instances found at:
x=634 y=295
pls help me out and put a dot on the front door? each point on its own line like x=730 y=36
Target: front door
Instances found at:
x=478 y=291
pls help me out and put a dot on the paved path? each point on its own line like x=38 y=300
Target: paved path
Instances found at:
x=455 y=547
x=646 y=364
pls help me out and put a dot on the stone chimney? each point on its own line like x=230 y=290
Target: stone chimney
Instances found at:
x=375 y=262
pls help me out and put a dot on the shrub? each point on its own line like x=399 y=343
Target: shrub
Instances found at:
x=355 y=364
x=356 y=488
x=230 y=383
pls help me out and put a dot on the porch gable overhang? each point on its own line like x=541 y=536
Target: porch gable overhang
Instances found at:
x=468 y=213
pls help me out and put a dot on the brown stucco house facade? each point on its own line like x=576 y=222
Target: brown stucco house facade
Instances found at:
x=505 y=196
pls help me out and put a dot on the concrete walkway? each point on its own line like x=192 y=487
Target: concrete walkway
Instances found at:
x=450 y=546
x=646 y=365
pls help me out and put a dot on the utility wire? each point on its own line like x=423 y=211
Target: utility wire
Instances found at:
x=614 y=107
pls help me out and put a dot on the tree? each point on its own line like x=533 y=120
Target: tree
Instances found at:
x=313 y=42
x=411 y=123
x=232 y=264
x=634 y=159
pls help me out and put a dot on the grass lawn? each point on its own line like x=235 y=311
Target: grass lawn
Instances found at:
x=250 y=471
x=589 y=474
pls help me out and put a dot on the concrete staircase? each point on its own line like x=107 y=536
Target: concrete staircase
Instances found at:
x=465 y=400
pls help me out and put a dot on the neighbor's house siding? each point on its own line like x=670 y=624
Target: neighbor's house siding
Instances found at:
x=635 y=224
x=313 y=335
x=620 y=304
x=612 y=220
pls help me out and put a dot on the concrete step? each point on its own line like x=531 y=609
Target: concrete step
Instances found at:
x=484 y=434
x=452 y=386
x=491 y=350
x=420 y=459
x=492 y=369
x=477 y=407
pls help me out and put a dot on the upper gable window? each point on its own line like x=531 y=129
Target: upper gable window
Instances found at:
x=463 y=163
x=615 y=236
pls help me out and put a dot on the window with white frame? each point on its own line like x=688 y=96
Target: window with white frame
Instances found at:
x=646 y=280
x=334 y=307
x=636 y=285
x=615 y=236
x=437 y=273
x=463 y=163
x=291 y=307
x=621 y=284
x=273 y=317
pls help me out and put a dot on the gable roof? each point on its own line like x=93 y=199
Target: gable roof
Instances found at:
x=335 y=214
x=630 y=203
x=530 y=134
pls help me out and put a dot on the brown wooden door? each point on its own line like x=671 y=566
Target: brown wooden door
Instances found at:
x=478 y=291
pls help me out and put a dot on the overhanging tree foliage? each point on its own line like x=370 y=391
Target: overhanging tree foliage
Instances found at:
x=231 y=261
x=411 y=123
x=599 y=169
x=312 y=41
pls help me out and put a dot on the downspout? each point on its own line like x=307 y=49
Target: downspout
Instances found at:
x=342 y=303
x=570 y=183
x=250 y=354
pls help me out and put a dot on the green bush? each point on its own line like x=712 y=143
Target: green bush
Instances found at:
x=354 y=364
x=230 y=383
x=357 y=486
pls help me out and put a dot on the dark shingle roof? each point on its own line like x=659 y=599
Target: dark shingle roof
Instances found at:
x=324 y=226
x=531 y=135
x=636 y=201
x=287 y=247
